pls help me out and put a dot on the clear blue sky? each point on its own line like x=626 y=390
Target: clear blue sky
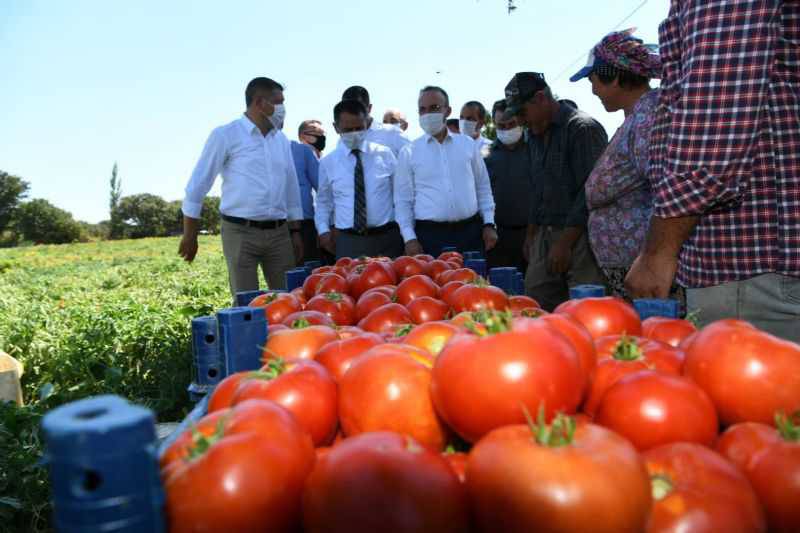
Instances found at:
x=86 y=83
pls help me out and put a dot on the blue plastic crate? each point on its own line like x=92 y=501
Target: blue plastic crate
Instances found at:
x=478 y=265
x=295 y=278
x=519 y=283
x=473 y=254
x=245 y=297
x=242 y=337
x=586 y=291
x=503 y=277
x=311 y=265
x=649 y=307
x=449 y=249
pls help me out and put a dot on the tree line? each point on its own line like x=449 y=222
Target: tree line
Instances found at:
x=37 y=221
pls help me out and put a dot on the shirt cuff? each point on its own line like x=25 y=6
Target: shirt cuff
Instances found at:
x=695 y=194
x=192 y=209
x=295 y=214
x=488 y=217
x=322 y=229
x=408 y=233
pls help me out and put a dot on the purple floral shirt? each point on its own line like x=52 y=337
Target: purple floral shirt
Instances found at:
x=618 y=191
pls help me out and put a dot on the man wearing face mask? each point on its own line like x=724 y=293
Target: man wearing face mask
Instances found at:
x=442 y=192
x=384 y=134
x=509 y=167
x=306 y=162
x=471 y=123
x=259 y=192
x=356 y=186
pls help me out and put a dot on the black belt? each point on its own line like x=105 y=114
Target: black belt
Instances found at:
x=454 y=225
x=375 y=230
x=260 y=224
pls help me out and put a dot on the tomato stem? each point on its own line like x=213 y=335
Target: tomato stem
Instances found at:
x=561 y=432
x=333 y=296
x=627 y=349
x=201 y=443
x=788 y=426
x=661 y=486
x=301 y=323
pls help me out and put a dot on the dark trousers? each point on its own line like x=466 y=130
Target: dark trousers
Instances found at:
x=388 y=243
x=508 y=252
x=466 y=237
x=311 y=249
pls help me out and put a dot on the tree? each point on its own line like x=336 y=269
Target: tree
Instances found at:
x=145 y=215
x=209 y=218
x=116 y=225
x=41 y=222
x=12 y=190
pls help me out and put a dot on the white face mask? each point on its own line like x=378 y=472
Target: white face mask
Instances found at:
x=352 y=139
x=468 y=127
x=511 y=136
x=432 y=123
x=278 y=116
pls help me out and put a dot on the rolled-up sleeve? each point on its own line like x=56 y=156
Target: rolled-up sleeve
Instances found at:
x=483 y=185
x=208 y=167
x=588 y=142
x=404 y=195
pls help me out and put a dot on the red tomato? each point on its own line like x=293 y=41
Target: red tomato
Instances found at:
x=385 y=319
x=272 y=328
x=425 y=258
x=345 y=332
x=301 y=343
x=481 y=383
x=414 y=287
x=551 y=479
x=339 y=307
x=344 y=262
x=384 y=482
x=405 y=267
x=447 y=256
x=697 y=490
x=337 y=356
x=369 y=302
x=458 y=462
x=253 y=458
x=431 y=336
x=669 y=330
x=373 y=274
x=657 y=355
x=277 y=305
x=581 y=340
x=310 y=284
x=448 y=289
x=302 y=319
x=520 y=302
x=750 y=375
x=386 y=390
x=304 y=388
x=771 y=461
x=426 y=309
x=467 y=275
x=222 y=395
x=332 y=282
x=436 y=267
x=651 y=409
x=479 y=298
x=604 y=316
x=300 y=295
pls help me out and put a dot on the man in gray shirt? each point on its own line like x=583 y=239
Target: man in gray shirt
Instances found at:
x=564 y=145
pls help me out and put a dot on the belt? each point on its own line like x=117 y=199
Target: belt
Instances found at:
x=260 y=224
x=456 y=224
x=375 y=230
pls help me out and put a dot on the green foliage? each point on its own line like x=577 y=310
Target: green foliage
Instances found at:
x=41 y=222
x=116 y=226
x=145 y=215
x=209 y=219
x=12 y=190
x=95 y=318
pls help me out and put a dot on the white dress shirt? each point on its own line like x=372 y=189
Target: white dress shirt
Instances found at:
x=387 y=135
x=259 y=181
x=445 y=182
x=336 y=192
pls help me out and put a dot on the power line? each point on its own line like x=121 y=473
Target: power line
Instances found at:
x=620 y=23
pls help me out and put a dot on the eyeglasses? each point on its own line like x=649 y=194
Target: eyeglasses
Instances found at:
x=435 y=108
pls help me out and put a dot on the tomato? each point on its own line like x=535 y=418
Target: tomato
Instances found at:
x=467 y=275
x=414 y=287
x=277 y=305
x=222 y=395
x=426 y=309
x=310 y=284
x=405 y=267
x=520 y=302
x=340 y=308
x=447 y=256
x=369 y=302
x=579 y=337
x=448 y=289
x=749 y=374
x=305 y=318
x=604 y=316
x=384 y=482
x=651 y=408
x=431 y=336
x=272 y=328
x=696 y=490
x=304 y=388
x=658 y=355
x=458 y=462
x=337 y=356
x=481 y=383
x=300 y=295
x=436 y=267
x=253 y=458
x=523 y=479
x=479 y=297
x=344 y=262
x=385 y=318
x=385 y=389
x=425 y=258
x=345 y=332
x=332 y=282
x=373 y=274
x=669 y=330
x=770 y=458
x=303 y=343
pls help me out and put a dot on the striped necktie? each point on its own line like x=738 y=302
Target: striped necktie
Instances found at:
x=360 y=202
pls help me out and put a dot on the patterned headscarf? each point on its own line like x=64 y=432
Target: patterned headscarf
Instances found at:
x=624 y=51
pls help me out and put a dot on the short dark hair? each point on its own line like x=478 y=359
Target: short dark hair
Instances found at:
x=354 y=107
x=479 y=106
x=627 y=79
x=258 y=86
x=303 y=125
x=356 y=92
x=435 y=88
x=452 y=122
x=499 y=105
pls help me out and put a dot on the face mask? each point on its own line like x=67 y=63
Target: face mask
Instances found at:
x=432 y=123
x=319 y=143
x=511 y=136
x=353 y=139
x=278 y=116
x=468 y=127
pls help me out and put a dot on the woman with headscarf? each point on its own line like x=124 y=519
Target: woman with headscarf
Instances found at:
x=618 y=195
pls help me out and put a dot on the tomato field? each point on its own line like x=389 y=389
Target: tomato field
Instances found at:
x=85 y=319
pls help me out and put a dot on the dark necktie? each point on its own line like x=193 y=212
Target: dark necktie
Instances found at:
x=360 y=202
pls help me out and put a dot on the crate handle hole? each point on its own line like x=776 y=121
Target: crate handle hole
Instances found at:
x=210 y=338
x=247 y=317
x=88 y=481
x=213 y=372
x=91 y=414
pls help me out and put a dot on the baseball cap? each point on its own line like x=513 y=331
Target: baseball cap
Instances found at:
x=521 y=88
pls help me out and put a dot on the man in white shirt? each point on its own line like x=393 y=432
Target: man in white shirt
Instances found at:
x=443 y=196
x=384 y=134
x=260 y=192
x=395 y=117
x=471 y=123
x=356 y=185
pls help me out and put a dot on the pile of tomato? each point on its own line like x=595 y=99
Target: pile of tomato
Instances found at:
x=411 y=396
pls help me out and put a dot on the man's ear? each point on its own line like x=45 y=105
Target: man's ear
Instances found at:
x=447 y=112
x=336 y=128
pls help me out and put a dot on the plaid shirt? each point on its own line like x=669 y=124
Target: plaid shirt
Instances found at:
x=726 y=142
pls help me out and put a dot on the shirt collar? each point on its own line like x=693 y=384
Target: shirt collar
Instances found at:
x=564 y=112
x=250 y=126
x=447 y=138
